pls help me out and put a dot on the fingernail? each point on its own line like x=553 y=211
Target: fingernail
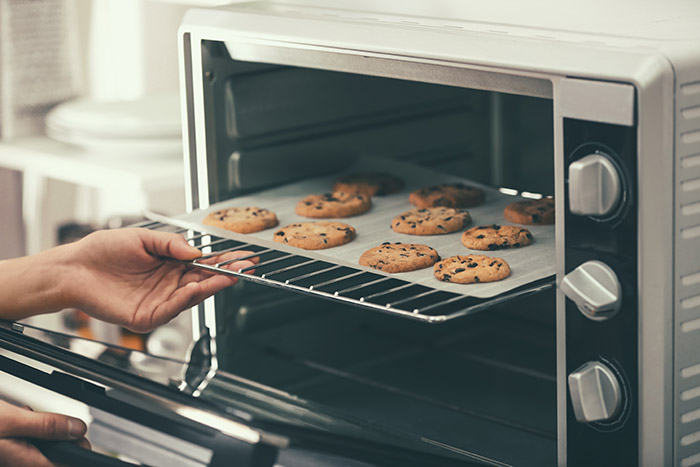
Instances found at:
x=75 y=428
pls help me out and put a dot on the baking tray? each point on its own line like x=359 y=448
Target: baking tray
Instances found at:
x=528 y=264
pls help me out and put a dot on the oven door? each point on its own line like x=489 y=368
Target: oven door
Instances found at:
x=159 y=411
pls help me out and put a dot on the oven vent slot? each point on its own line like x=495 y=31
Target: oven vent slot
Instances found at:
x=358 y=287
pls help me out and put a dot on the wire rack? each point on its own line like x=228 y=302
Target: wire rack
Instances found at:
x=341 y=283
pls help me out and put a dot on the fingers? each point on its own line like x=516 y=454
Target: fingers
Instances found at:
x=169 y=245
x=193 y=292
x=231 y=256
x=16 y=453
x=18 y=422
x=84 y=443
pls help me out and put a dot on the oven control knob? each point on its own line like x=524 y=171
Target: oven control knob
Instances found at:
x=595 y=188
x=595 y=393
x=594 y=288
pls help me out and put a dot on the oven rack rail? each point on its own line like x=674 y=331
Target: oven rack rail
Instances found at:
x=341 y=283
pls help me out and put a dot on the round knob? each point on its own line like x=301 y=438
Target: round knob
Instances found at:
x=595 y=392
x=595 y=188
x=594 y=288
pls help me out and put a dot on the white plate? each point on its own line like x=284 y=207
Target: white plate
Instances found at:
x=146 y=126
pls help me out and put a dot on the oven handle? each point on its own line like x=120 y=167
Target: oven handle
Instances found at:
x=69 y=453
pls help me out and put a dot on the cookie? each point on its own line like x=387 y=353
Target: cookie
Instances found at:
x=496 y=237
x=454 y=195
x=531 y=212
x=315 y=235
x=399 y=257
x=430 y=221
x=369 y=183
x=336 y=204
x=242 y=220
x=471 y=269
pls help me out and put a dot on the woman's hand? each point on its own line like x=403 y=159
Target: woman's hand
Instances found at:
x=127 y=276
x=17 y=423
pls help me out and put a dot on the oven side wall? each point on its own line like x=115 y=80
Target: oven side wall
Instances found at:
x=654 y=83
x=687 y=259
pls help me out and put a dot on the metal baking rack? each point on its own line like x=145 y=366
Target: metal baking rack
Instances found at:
x=342 y=283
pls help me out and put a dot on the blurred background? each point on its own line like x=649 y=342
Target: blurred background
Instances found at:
x=90 y=136
x=90 y=131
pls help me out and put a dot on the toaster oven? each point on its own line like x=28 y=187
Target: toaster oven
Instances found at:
x=591 y=359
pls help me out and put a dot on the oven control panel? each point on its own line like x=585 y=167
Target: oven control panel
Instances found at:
x=600 y=285
x=596 y=395
x=595 y=289
x=595 y=187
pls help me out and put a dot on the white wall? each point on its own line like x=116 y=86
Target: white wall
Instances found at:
x=11 y=228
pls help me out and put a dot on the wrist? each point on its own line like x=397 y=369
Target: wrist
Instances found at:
x=65 y=277
x=36 y=284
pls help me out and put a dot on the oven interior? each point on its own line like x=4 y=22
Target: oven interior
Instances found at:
x=480 y=387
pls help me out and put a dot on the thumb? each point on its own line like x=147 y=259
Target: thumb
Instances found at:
x=27 y=424
x=166 y=244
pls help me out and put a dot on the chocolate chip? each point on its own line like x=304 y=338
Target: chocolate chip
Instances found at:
x=493 y=246
x=460 y=269
x=441 y=227
x=476 y=279
x=480 y=236
x=280 y=233
x=472 y=265
x=447 y=218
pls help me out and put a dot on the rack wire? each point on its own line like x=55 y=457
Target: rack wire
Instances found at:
x=361 y=288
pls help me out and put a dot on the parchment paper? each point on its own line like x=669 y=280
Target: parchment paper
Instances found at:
x=528 y=264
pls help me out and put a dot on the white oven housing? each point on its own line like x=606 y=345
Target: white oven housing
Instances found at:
x=626 y=64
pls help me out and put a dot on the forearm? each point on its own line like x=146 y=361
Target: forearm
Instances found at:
x=36 y=284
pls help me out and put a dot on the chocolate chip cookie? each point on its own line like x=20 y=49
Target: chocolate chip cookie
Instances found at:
x=399 y=257
x=334 y=205
x=430 y=221
x=369 y=183
x=531 y=212
x=454 y=195
x=496 y=237
x=242 y=220
x=315 y=235
x=470 y=269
